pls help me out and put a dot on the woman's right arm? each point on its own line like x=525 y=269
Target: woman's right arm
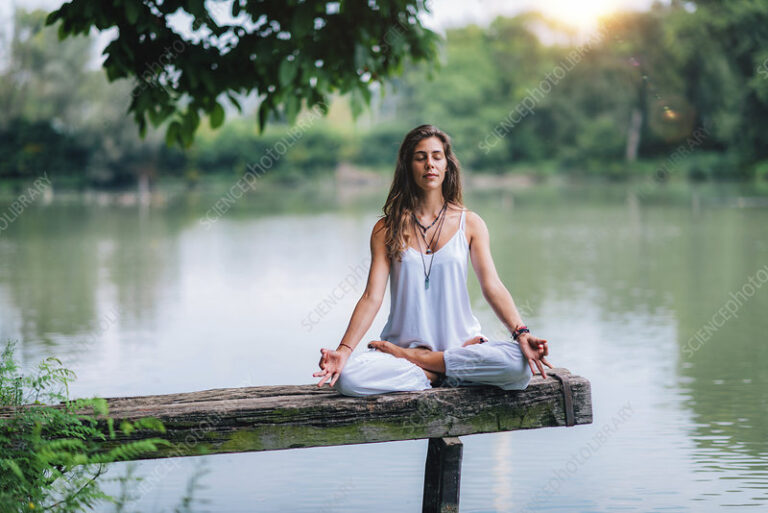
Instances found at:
x=369 y=303
x=332 y=362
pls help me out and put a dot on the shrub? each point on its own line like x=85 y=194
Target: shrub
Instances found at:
x=52 y=455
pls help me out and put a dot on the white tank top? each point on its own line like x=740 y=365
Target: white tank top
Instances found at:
x=438 y=317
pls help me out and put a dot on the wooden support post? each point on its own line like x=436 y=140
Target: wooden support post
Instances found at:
x=442 y=475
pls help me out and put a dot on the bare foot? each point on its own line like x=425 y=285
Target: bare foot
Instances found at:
x=475 y=340
x=401 y=352
x=434 y=377
x=387 y=347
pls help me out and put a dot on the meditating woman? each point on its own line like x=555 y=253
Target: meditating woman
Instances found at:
x=431 y=337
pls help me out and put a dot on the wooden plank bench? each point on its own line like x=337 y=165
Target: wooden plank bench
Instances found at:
x=269 y=418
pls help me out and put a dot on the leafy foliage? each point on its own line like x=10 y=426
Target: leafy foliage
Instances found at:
x=31 y=146
x=681 y=67
x=289 y=51
x=51 y=456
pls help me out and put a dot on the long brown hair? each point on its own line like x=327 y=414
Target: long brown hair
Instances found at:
x=404 y=193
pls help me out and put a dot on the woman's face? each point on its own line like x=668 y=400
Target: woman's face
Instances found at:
x=429 y=163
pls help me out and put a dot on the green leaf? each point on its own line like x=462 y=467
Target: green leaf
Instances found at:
x=15 y=469
x=292 y=107
x=186 y=132
x=264 y=110
x=235 y=102
x=217 y=115
x=126 y=427
x=366 y=92
x=142 y=126
x=191 y=120
x=355 y=103
x=172 y=133
x=52 y=17
x=319 y=100
x=152 y=423
x=207 y=80
x=361 y=57
x=132 y=11
x=287 y=72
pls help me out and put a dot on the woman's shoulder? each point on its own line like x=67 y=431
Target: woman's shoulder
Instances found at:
x=380 y=225
x=457 y=208
x=469 y=214
x=473 y=223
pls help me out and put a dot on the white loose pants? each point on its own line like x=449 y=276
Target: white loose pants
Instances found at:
x=496 y=362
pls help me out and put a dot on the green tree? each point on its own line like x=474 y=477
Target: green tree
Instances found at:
x=42 y=78
x=288 y=51
x=61 y=117
x=726 y=52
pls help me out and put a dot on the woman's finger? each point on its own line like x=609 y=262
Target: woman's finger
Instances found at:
x=530 y=364
x=329 y=374
x=547 y=363
x=335 y=378
x=541 y=369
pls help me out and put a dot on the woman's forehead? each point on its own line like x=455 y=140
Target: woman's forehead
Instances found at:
x=429 y=144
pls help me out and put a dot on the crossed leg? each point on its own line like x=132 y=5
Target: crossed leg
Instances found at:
x=431 y=362
x=494 y=362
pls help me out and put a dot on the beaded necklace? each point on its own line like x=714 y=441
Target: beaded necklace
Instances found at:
x=436 y=233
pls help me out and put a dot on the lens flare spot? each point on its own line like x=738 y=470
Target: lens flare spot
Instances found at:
x=669 y=113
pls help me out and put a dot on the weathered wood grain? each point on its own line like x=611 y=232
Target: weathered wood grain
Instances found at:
x=284 y=417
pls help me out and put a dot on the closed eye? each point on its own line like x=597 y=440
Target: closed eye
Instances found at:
x=437 y=155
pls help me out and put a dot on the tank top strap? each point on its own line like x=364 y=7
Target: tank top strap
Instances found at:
x=463 y=215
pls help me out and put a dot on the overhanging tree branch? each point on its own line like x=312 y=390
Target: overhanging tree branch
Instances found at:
x=287 y=51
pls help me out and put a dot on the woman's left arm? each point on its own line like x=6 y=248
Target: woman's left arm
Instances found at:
x=497 y=295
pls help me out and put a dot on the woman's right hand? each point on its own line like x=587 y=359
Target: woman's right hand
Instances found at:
x=331 y=363
x=534 y=349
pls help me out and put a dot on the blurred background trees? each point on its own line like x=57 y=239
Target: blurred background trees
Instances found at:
x=634 y=98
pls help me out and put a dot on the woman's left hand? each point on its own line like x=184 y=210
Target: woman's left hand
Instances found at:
x=534 y=349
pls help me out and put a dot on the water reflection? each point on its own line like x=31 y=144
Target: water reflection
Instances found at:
x=619 y=282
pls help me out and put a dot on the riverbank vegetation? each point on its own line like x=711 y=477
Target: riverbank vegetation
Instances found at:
x=51 y=452
x=679 y=92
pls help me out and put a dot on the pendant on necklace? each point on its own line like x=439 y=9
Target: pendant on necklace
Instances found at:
x=429 y=251
x=426 y=283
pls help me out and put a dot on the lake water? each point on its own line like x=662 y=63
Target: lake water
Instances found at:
x=626 y=284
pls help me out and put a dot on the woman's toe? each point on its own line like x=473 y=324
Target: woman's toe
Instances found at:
x=377 y=344
x=475 y=340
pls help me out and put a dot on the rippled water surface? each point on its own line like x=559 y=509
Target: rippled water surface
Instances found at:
x=627 y=287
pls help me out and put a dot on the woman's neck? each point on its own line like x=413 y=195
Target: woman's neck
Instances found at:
x=429 y=206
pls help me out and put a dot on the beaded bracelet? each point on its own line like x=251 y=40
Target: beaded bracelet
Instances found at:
x=519 y=331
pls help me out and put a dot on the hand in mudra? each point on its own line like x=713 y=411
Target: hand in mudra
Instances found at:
x=534 y=349
x=331 y=363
